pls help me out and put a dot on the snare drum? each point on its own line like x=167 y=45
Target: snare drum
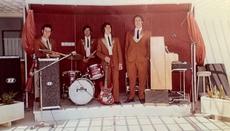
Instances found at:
x=95 y=71
x=81 y=91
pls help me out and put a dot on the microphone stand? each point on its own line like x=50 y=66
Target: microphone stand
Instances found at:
x=37 y=71
x=42 y=123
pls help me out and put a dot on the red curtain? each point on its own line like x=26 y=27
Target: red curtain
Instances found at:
x=196 y=37
x=28 y=33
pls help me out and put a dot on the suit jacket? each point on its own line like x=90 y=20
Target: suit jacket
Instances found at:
x=102 y=52
x=39 y=45
x=81 y=50
x=137 y=51
x=80 y=46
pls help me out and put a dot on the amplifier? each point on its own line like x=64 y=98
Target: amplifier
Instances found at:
x=10 y=76
x=49 y=83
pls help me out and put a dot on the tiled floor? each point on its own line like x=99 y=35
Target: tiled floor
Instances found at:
x=156 y=120
x=127 y=123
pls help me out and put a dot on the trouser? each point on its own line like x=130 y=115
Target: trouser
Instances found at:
x=137 y=69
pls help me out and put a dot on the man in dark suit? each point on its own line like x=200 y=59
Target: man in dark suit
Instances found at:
x=45 y=43
x=43 y=47
x=137 y=58
x=86 y=47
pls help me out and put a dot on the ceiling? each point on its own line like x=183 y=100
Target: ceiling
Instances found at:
x=11 y=8
x=14 y=8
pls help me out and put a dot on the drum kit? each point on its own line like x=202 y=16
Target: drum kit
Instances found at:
x=80 y=87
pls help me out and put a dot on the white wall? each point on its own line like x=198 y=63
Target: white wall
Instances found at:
x=214 y=23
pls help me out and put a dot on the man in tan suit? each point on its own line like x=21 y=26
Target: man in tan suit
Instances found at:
x=109 y=51
x=45 y=43
x=137 y=58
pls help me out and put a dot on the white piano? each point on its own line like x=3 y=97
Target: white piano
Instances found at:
x=161 y=64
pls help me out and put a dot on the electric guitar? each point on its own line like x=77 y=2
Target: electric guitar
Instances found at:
x=106 y=96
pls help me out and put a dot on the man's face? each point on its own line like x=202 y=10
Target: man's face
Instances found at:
x=107 y=29
x=46 y=32
x=138 y=22
x=87 y=32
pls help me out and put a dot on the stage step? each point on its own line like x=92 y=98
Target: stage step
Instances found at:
x=96 y=110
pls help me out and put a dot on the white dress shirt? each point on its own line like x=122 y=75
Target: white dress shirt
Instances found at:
x=135 y=34
x=47 y=44
x=87 y=46
x=109 y=46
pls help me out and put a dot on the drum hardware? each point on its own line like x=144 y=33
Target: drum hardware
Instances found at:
x=76 y=57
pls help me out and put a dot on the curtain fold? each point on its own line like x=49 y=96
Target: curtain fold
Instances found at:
x=28 y=35
x=196 y=37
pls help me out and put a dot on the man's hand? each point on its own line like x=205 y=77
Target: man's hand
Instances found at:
x=85 y=60
x=107 y=59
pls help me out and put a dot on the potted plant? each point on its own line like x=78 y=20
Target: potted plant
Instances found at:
x=10 y=110
x=8 y=98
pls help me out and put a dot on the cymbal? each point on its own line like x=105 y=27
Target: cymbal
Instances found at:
x=75 y=57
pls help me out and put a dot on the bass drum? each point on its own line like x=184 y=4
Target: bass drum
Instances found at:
x=81 y=91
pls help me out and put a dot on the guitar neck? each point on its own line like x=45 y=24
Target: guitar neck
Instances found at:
x=106 y=76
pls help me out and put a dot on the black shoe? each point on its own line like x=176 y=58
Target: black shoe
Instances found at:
x=117 y=102
x=129 y=100
x=142 y=101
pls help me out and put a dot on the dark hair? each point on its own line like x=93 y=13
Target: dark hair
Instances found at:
x=104 y=25
x=48 y=26
x=139 y=17
x=85 y=27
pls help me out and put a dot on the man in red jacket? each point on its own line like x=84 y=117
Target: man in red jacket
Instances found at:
x=45 y=43
x=109 y=51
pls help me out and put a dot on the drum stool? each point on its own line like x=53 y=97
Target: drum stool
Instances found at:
x=203 y=75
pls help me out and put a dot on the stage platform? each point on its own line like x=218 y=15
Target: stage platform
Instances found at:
x=94 y=109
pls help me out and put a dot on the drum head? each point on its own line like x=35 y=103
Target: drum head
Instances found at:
x=81 y=91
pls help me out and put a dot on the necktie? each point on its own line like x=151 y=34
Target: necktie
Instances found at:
x=87 y=42
x=48 y=45
x=137 y=34
x=109 y=41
